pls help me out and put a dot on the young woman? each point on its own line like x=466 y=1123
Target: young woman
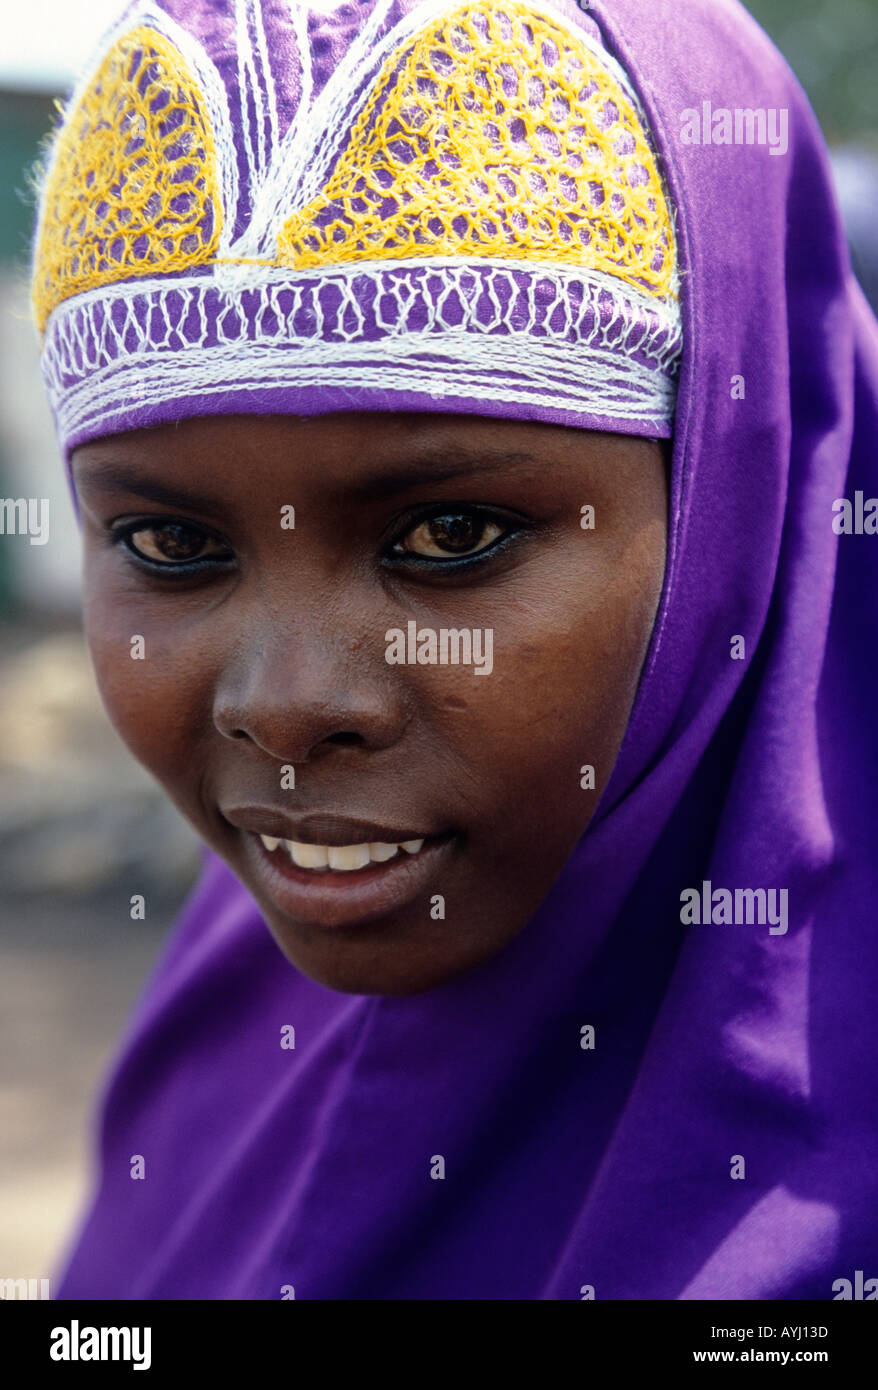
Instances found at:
x=471 y=417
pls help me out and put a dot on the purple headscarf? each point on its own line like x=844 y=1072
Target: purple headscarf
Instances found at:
x=616 y=1169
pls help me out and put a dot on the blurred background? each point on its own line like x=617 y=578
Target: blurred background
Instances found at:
x=81 y=825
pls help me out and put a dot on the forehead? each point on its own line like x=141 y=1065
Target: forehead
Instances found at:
x=247 y=461
x=353 y=429
x=343 y=437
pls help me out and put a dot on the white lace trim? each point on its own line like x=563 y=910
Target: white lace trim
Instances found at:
x=528 y=378
x=512 y=332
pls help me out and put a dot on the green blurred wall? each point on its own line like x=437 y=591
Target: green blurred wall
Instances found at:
x=832 y=46
x=26 y=119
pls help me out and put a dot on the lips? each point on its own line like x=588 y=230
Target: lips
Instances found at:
x=323 y=871
x=321 y=828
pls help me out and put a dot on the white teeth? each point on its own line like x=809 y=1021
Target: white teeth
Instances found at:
x=341 y=858
x=307 y=856
x=347 y=857
x=380 y=853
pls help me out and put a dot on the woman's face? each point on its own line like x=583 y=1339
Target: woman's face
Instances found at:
x=268 y=601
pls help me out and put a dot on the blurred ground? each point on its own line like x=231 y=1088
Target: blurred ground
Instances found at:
x=82 y=827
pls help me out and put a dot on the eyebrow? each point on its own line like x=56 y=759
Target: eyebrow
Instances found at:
x=440 y=468
x=112 y=478
x=433 y=467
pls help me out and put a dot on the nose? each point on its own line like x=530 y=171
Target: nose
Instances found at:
x=298 y=689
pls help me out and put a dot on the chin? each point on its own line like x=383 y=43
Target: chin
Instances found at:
x=346 y=970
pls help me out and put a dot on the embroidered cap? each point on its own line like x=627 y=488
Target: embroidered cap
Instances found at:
x=387 y=205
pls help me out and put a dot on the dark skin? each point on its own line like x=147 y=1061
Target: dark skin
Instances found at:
x=272 y=654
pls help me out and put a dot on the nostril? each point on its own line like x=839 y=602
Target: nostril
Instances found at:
x=344 y=738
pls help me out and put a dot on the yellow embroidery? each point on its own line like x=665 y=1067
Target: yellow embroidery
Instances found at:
x=133 y=190
x=493 y=133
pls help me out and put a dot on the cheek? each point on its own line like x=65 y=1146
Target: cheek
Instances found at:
x=150 y=681
x=565 y=669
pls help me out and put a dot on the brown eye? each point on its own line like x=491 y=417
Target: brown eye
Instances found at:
x=171 y=542
x=455 y=533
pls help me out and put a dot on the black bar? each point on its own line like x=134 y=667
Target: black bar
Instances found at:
x=240 y=1338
